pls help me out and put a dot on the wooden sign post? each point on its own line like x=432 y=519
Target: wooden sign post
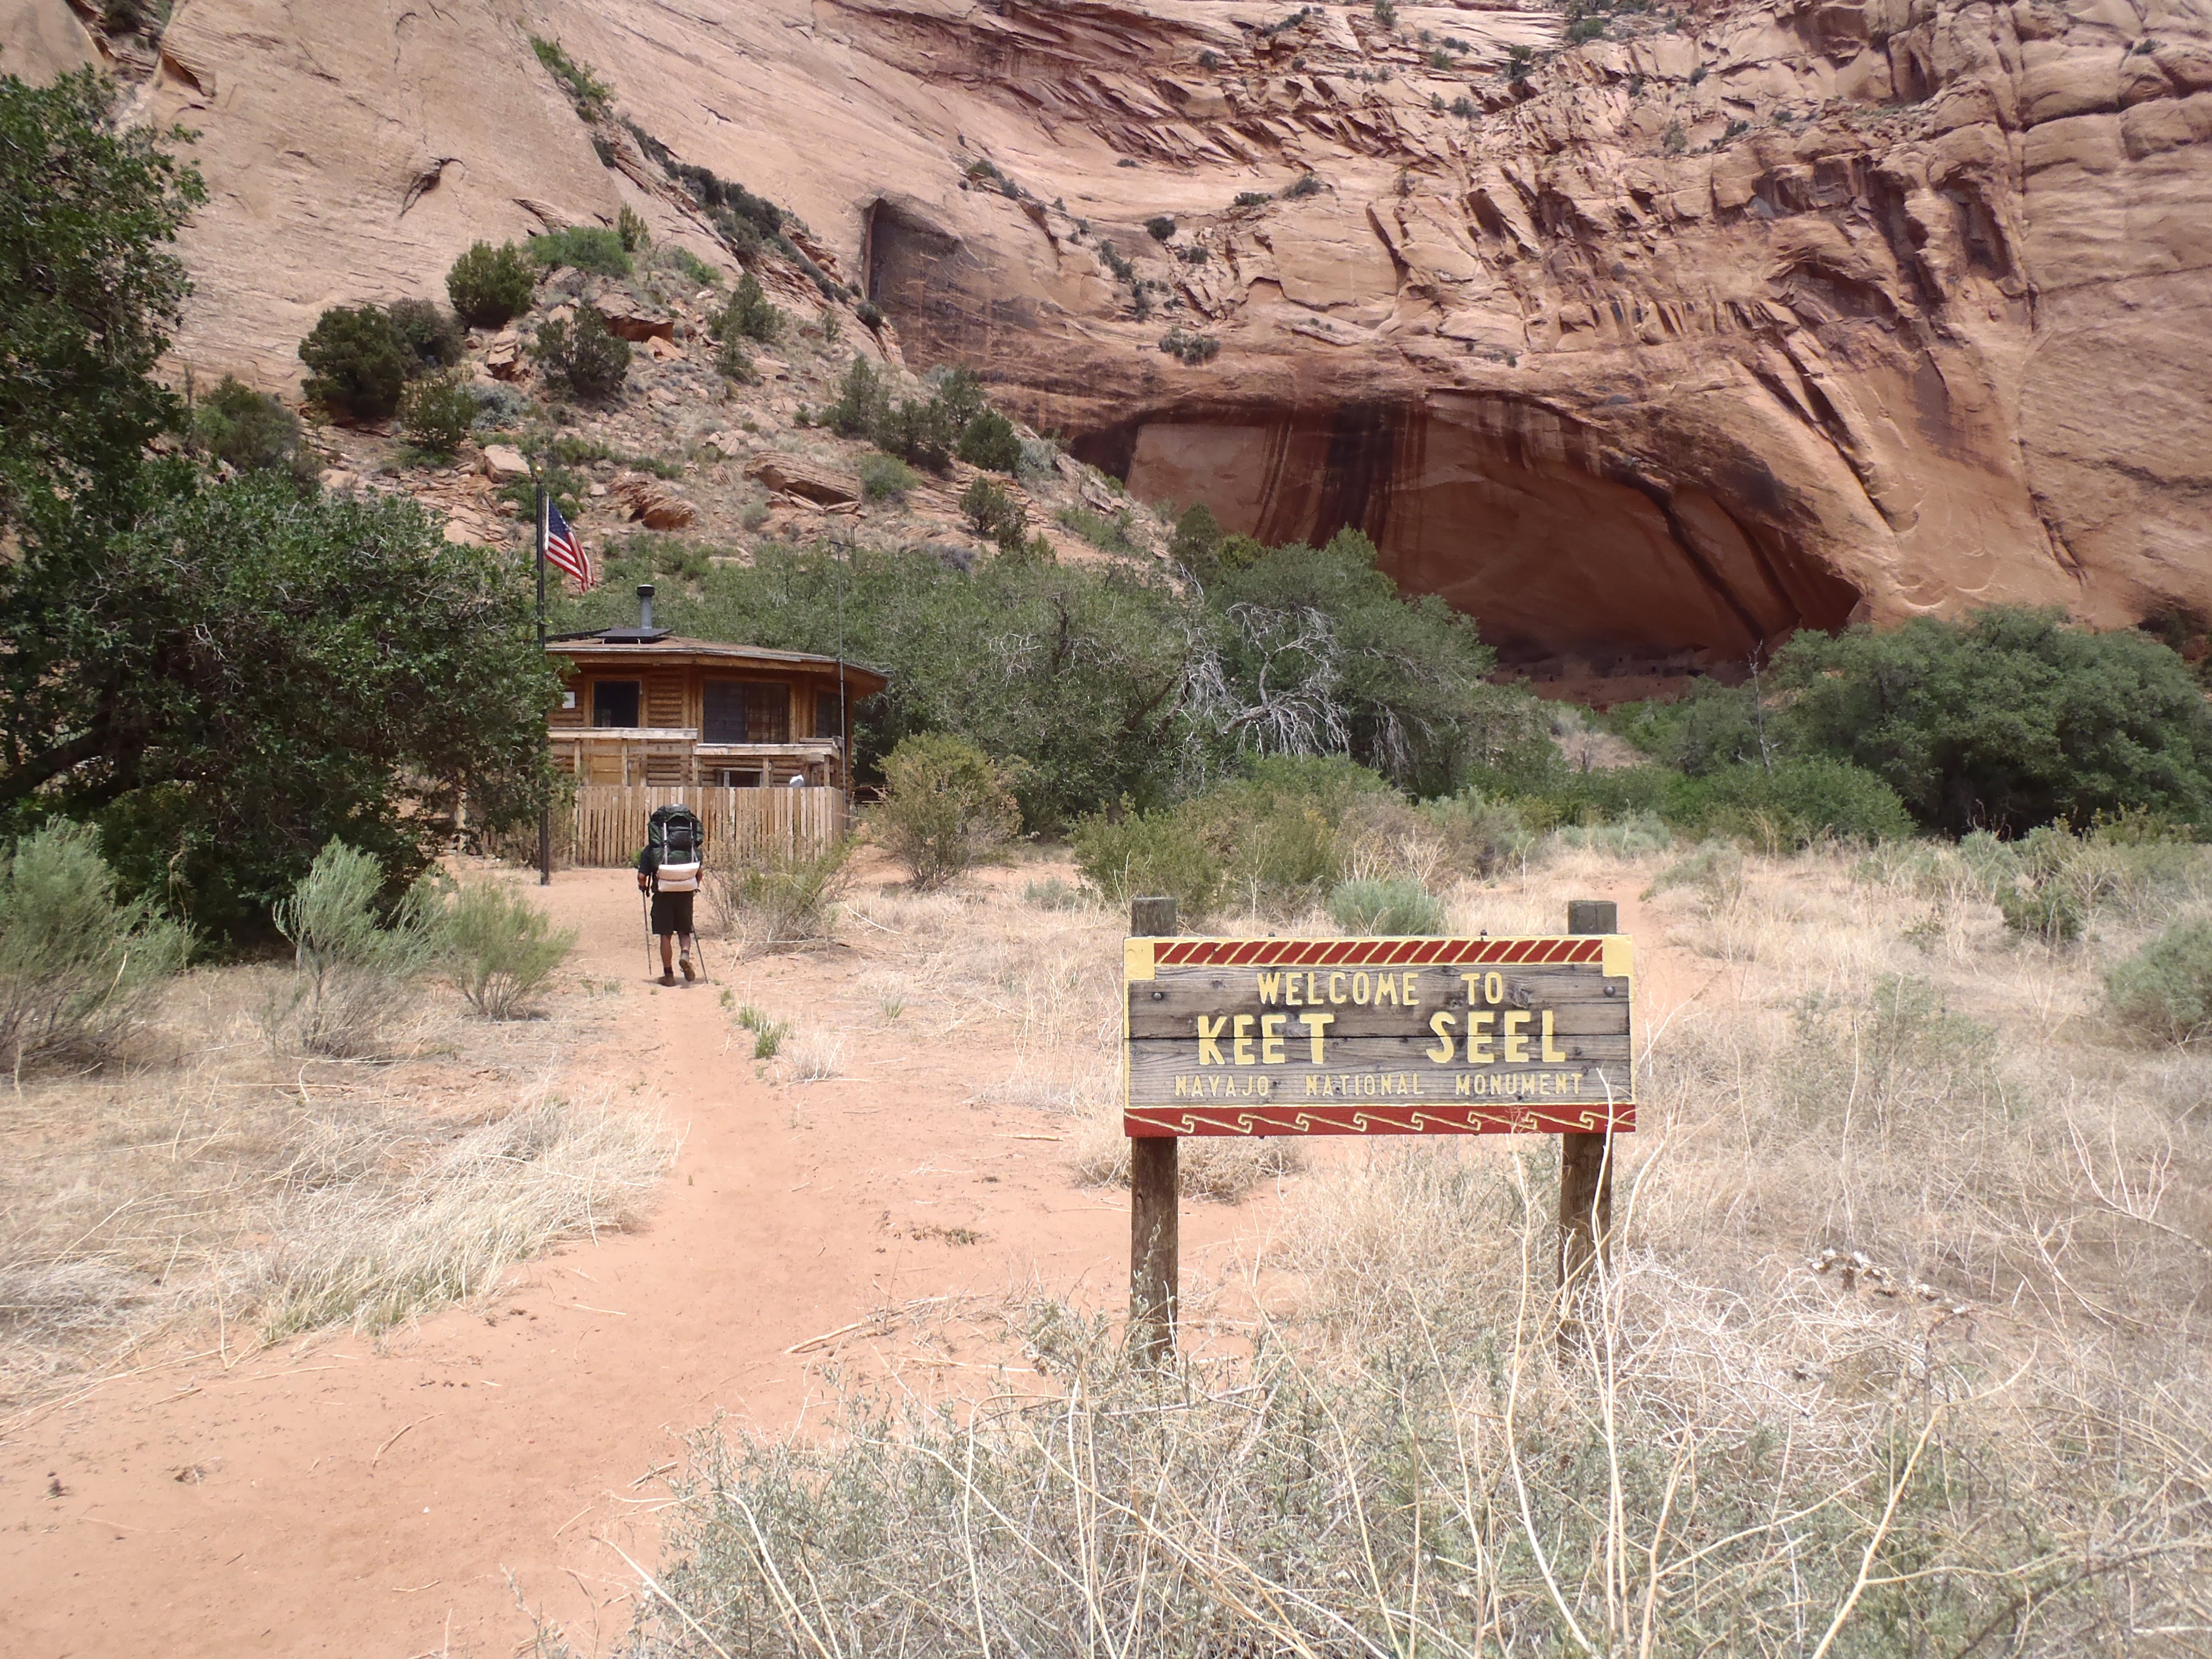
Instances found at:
x=1315 y=1036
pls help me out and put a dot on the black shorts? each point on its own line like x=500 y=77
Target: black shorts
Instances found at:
x=671 y=912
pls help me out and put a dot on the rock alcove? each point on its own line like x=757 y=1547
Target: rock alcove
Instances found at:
x=1563 y=546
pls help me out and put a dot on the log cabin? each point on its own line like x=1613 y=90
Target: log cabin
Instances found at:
x=644 y=706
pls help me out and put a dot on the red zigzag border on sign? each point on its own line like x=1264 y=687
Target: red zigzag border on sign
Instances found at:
x=1148 y=1122
x=1374 y=952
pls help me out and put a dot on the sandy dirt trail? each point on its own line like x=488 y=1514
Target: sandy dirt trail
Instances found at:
x=330 y=1497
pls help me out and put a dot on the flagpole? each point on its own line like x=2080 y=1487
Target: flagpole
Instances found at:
x=545 y=810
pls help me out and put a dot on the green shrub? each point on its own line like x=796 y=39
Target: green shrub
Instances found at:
x=1798 y=801
x=77 y=965
x=2050 y=911
x=1245 y=198
x=1161 y=228
x=631 y=230
x=430 y=335
x=1396 y=908
x=500 y=949
x=583 y=353
x=994 y=512
x=1480 y=835
x=1273 y=840
x=862 y=401
x=2165 y=989
x=360 y=364
x=918 y=430
x=437 y=412
x=989 y=440
x=1053 y=894
x=1277 y=828
x=768 y=1032
x=355 y=969
x=871 y=315
x=885 y=478
x=1631 y=835
x=687 y=264
x=1107 y=535
x=581 y=247
x=749 y=315
x=1188 y=348
x=960 y=394
x=250 y=430
x=947 y=807
x=733 y=362
x=1197 y=534
x=2009 y=718
x=1161 y=853
x=488 y=285
x=782 y=892
x=1305 y=185
x=591 y=96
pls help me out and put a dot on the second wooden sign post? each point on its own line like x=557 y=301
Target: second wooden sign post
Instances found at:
x=1308 y=1036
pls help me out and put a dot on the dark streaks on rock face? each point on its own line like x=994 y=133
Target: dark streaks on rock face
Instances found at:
x=1520 y=514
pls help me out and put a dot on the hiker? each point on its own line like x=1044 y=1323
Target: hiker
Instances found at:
x=668 y=869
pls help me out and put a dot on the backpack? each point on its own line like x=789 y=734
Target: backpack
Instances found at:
x=675 y=834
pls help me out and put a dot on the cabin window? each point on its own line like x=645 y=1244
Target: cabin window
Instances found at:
x=745 y=711
x=736 y=777
x=614 y=703
x=825 y=713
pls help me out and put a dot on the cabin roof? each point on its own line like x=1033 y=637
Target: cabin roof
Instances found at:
x=628 y=647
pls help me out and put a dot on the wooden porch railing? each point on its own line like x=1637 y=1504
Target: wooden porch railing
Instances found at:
x=611 y=819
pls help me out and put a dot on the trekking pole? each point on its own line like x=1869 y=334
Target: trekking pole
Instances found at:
x=645 y=906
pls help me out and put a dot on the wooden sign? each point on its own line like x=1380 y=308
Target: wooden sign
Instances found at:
x=1315 y=1036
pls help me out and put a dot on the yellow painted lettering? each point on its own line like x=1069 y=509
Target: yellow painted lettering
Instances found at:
x=1290 y=992
x=1413 y=992
x=1463 y=1083
x=1477 y=1038
x=1315 y=1025
x=1336 y=988
x=1474 y=983
x=1516 y=1038
x=1313 y=994
x=1182 y=1086
x=1313 y=1086
x=1552 y=1056
x=1209 y=1040
x=1271 y=987
x=1270 y=1038
x=1242 y=1045
x=1442 y=1025
x=1362 y=988
x=1386 y=989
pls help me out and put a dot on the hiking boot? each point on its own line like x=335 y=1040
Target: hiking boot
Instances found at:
x=685 y=964
x=668 y=979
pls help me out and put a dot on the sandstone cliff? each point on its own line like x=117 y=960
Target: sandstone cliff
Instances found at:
x=1646 y=348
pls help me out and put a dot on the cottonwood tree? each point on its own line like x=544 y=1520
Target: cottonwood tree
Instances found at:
x=88 y=292
x=248 y=671
x=223 y=676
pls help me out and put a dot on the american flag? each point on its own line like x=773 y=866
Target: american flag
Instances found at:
x=563 y=548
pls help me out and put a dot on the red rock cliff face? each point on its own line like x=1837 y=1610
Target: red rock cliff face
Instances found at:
x=1655 y=348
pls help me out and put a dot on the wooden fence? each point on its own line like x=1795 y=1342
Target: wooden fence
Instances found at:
x=611 y=819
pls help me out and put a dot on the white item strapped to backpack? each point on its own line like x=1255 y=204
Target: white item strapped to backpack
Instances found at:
x=674 y=835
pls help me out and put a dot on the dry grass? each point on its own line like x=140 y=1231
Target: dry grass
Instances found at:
x=213 y=1177
x=1899 y=1354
